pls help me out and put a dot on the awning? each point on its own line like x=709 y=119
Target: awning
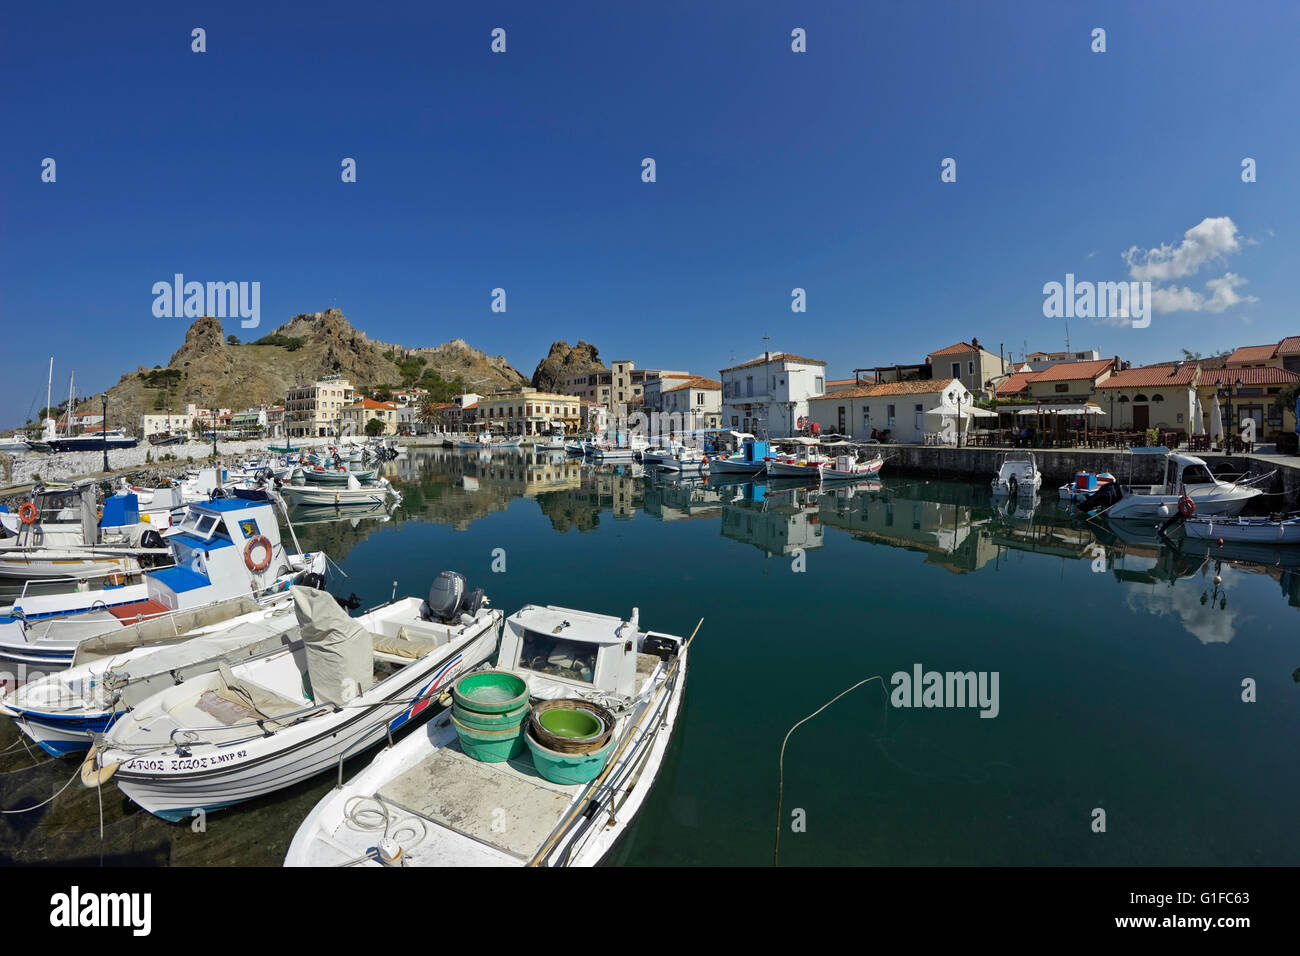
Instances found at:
x=967 y=411
x=1061 y=410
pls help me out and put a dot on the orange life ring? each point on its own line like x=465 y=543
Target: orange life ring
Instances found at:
x=28 y=513
x=258 y=541
x=1186 y=506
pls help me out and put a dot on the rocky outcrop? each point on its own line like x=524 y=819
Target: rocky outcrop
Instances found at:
x=563 y=361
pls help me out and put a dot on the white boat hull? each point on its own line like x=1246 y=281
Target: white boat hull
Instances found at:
x=213 y=776
x=1249 y=530
x=1211 y=501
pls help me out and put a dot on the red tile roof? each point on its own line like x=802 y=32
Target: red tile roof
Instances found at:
x=955 y=349
x=1248 y=376
x=1016 y=382
x=1289 y=346
x=1152 y=376
x=1252 y=353
x=776 y=357
x=847 y=382
x=1071 y=371
x=696 y=381
x=371 y=403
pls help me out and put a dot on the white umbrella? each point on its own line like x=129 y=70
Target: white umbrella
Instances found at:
x=1198 y=415
x=1216 y=420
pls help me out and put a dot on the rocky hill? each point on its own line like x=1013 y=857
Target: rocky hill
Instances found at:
x=209 y=371
x=563 y=361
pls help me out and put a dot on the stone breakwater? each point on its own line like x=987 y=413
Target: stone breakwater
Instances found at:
x=63 y=466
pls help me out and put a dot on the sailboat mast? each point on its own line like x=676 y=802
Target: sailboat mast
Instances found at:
x=71 y=379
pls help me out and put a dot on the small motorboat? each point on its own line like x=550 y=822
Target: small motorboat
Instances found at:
x=1085 y=483
x=235 y=732
x=1278 y=529
x=751 y=459
x=436 y=800
x=806 y=462
x=378 y=492
x=1018 y=474
x=1189 y=488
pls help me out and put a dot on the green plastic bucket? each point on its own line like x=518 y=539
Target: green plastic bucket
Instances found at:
x=568 y=768
x=490 y=746
x=490 y=692
x=574 y=724
x=476 y=721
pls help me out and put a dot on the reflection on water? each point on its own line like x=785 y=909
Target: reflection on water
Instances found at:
x=1121 y=654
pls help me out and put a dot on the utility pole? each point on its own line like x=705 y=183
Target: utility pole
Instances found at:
x=214 y=432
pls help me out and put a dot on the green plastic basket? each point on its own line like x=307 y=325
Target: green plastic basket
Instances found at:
x=490 y=692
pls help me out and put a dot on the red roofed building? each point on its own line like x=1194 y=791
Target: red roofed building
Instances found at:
x=969 y=363
x=355 y=417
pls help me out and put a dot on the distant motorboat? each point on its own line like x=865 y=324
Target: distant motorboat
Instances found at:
x=15 y=445
x=852 y=468
x=1018 y=474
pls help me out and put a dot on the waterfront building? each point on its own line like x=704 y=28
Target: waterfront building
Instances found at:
x=275 y=421
x=356 y=416
x=526 y=411
x=1154 y=396
x=1038 y=361
x=696 y=403
x=971 y=364
x=898 y=407
x=620 y=384
x=249 y=423
x=1254 y=394
x=156 y=422
x=1067 y=382
x=313 y=409
x=1285 y=355
x=768 y=396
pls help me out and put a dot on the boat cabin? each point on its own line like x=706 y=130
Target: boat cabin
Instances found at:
x=561 y=652
x=215 y=557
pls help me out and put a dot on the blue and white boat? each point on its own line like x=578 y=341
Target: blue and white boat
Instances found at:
x=61 y=712
x=222 y=548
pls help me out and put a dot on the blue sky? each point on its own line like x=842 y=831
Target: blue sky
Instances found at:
x=522 y=170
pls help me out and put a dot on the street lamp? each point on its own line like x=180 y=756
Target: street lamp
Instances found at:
x=1225 y=391
x=104 y=431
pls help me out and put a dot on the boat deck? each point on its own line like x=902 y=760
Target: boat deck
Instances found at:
x=507 y=806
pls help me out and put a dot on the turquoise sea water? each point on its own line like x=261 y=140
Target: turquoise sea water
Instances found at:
x=1120 y=668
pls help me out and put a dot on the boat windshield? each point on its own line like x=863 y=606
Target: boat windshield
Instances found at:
x=1197 y=475
x=545 y=654
x=200 y=523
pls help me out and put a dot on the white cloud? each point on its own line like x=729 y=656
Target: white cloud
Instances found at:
x=1223 y=296
x=1208 y=240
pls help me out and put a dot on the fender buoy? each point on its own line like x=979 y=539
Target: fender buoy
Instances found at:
x=1186 y=506
x=27 y=513
x=257 y=542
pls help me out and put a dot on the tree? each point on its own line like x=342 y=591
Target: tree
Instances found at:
x=374 y=427
x=431 y=412
x=232 y=339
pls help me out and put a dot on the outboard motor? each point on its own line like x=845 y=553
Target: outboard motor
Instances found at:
x=446 y=598
x=350 y=603
x=1103 y=497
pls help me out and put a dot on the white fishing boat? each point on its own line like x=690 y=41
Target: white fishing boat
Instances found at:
x=428 y=802
x=109 y=675
x=1281 y=529
x=1018 y=474
x=1189 y=488
x=237 y=732
x=684 y=459
x=378 y=492
x=15 y=444
x=223 y=548
x=804 y=462
x=853 y=467
x=60 y=534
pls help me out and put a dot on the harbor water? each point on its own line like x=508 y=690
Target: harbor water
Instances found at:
x=1135 y=700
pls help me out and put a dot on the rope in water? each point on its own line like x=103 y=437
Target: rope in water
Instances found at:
x=780 y=792
x=74 y=776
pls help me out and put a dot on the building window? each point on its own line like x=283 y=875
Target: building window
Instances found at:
x=956 y=369
x=819 y=385
x=1063 y=386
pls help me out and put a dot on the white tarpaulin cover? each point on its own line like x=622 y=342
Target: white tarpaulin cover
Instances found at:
x=340 y=657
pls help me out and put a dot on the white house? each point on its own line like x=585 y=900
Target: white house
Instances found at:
x=769 y=395
x=899 y=407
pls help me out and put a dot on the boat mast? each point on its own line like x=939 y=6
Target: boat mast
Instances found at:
x=71 y=378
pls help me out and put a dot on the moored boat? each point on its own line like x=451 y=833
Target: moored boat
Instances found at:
x=1281 y=529
x=438 y=797
x=1018 y=474
x=237 y=732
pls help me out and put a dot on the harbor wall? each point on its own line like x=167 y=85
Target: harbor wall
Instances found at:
x=1059 y=465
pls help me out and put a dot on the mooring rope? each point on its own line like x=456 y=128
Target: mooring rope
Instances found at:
x=74 y=776
x=780 y=792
